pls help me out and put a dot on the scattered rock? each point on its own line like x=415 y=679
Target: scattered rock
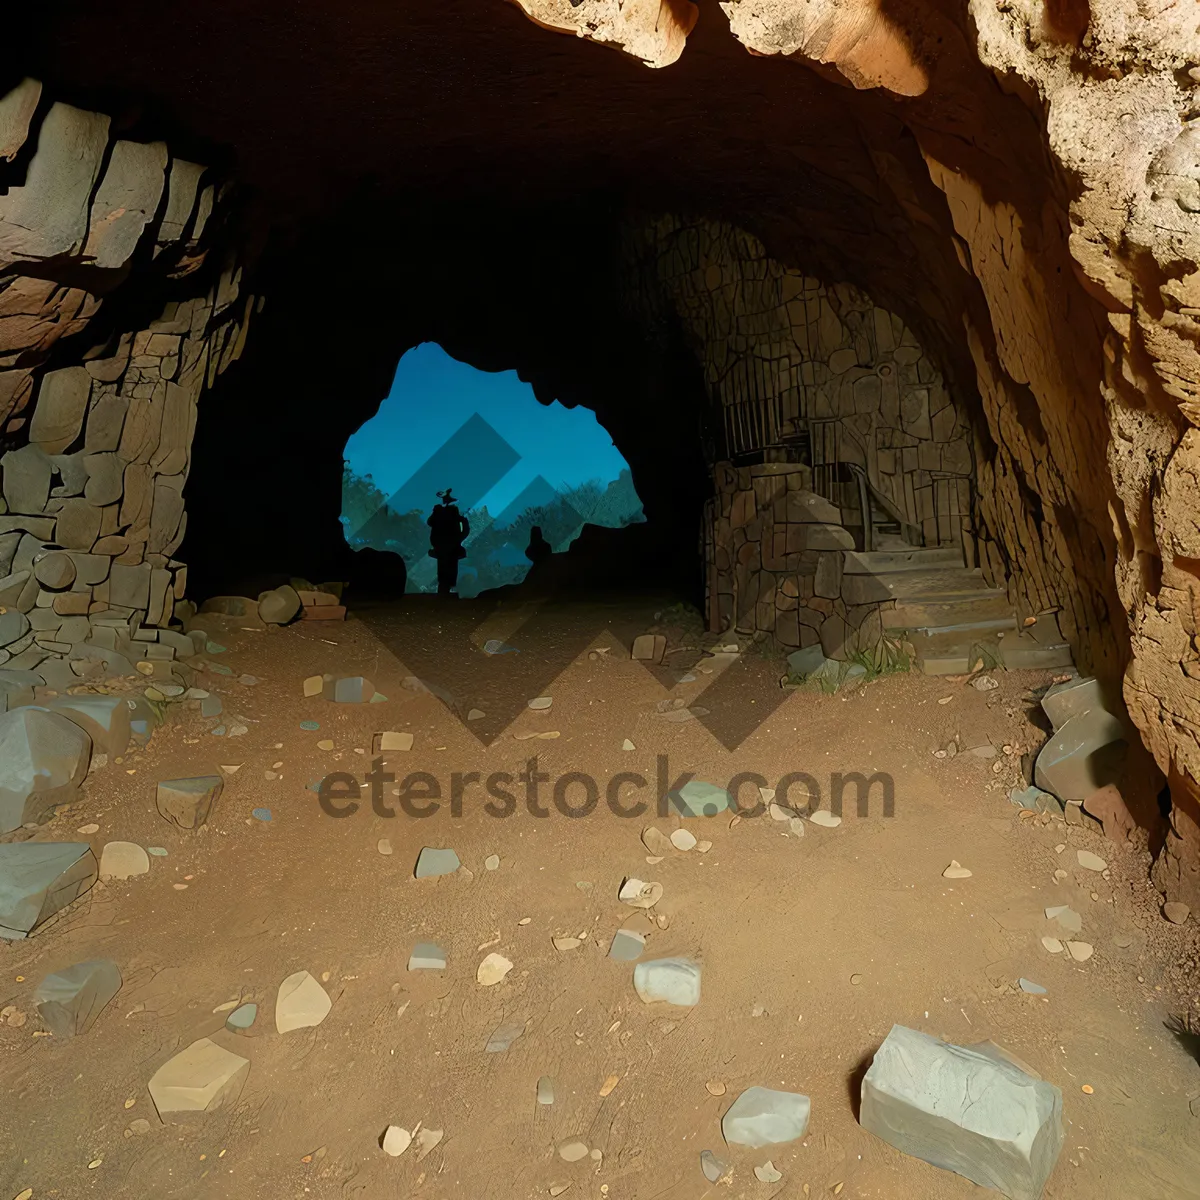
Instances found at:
x=1089 y=861
x=241 y=1019
x=314 y=685
x=384 y=846
x=123 y=860
x=261 y=814
x=492 y=862
x=37 y=879
x=656 y=841
x=496 y=646
x=825 y=819
x=628 y=745
x=1034 y=799
x=279 y=605
x=704 y=845
x=1068 y=919
x=1053 y=945
x=90 y=827
x=669 y=980
x=348 y=689
x=956 y=871
x=503 y=1036
x=627 y=946
x=573 y=1151
x=427 y=957
x=1034 y=989
x=683 y=839
x=395 y=1140
x=714 y=1169
x=795 y=828
x=545 y=1090
x=476 y=714
x=492 y=969
x=1176 y=912
x=968 y=1110
x=567 y=943
x=393 y=740
x=1080 y=951
x=649 y=647
x=984 y=683
x=188 y=802
x=699 y=799
x=637 y=894
x=69 y=1001
x=767 y=1173
x=300 y=1003
x=540 y=703
x=427 y=1140
x=200 y=1079
x=43 y=759
x=764 y=1117
x=432 y=861
x=714 y=1087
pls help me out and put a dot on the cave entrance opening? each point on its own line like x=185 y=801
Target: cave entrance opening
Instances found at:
x=525 y=476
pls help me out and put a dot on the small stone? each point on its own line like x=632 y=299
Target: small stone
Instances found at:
x=188 y=802
x=503 y=1036
x=1080 y=951
x=432 y=862
x=1089 y=861
x=427 y=1141
x=69 y=1001
x=557 y=1189
x=310 y=726
x=300 y=1003
x=1033 y=989
x=200 y=1079
x=714 y=1087
x=476 y=714
x=627 y=946
x=396 y=1140
x=573 y=1151
x=826 y=819
x=426 y=956
x=566 y=943
x=984 y=683
x=325 y=744
x=956 y=871
x=648 y=647
x=777 y=812
x=492 y=969
x=392 y=740
x=492 y=862
x=242 y=1018
x=1067 y=918
x=261 y=814
x=656 y=841
x=384 y=846
x=704 y=846
x=248 y=680
x=699 y=799
x=767 y=1173
x=714 y=1169
x=683 y=839
x=796 y=826
x=669 y=980
x=540 y=703
x=637 y=894
x=313 y=685
x=92 y=827
x=765 y=1117
x=628 y=745
x=1176 y=912
x=545 y=1090
x=123 y=860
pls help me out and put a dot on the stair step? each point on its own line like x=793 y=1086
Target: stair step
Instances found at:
x=942 y=615
x=968 y=629
x=893 y=561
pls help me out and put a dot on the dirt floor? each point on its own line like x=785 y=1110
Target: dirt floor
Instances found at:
x=812 y=947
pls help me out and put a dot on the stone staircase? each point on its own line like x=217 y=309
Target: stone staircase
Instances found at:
x=947 y=612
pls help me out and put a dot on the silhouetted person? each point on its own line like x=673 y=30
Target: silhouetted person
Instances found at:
x=448 y=529
x=538 y=549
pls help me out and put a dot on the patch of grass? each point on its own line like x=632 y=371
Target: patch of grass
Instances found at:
x=889 y=657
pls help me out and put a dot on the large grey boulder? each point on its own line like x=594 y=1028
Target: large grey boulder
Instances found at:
x=39 y=878
x=1082 y=756
x=16 y=688
x=69 y=1001
x=43 y=759
x=1072 y=698
x=765 y=1117
x=971 y=1110
x=105 y=719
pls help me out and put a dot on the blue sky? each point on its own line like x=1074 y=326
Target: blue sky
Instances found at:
x=433 y=394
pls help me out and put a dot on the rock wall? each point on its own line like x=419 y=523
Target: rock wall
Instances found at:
x=97 y=402
x=784 y=354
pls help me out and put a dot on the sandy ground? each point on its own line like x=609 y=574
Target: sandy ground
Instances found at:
x=812 y=947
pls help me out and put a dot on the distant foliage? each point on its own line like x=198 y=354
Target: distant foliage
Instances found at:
x=495 y=554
